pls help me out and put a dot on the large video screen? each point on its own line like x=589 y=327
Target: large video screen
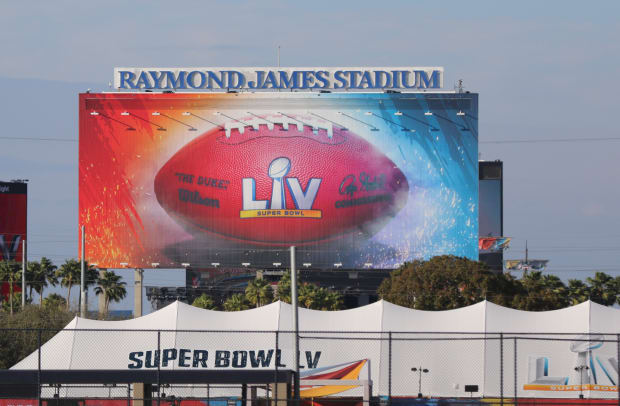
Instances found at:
x=233 y=179
x=13 y=210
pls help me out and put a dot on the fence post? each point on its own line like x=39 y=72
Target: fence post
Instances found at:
x=515 y=366
x=158 y=358
x=275 y=381
x=501 y=369
x=39 y=368
x=390 y=368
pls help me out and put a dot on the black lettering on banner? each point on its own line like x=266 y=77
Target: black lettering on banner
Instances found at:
x=170 y=354
x=363 y=200
x=194 y=197
x=240 y=359
x=135 y=357
x=312 y=363
x=152 y=362
x=184 y=177
x=259 y=359
x=184 y=355
x=200 y=357
x=279 y=363
x=222 y=359
x=213 y=182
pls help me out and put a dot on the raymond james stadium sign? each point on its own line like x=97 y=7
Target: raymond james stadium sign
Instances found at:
x=261 y=79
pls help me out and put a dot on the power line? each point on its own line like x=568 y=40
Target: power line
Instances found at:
x=40 y=139
x=551 y=140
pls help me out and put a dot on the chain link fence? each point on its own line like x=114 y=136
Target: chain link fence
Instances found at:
x=353 y=368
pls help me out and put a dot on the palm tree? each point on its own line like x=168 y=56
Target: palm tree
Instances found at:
x=578 y=292
x=69 y=275
x=111 y=287
x=35 y=278
x=259 y=292
x=10 y=272
x=204 y=301
x=602 y=289
x=236 y=302
x=48 y=269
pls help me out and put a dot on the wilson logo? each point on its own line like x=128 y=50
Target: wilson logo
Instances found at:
x=276 y=206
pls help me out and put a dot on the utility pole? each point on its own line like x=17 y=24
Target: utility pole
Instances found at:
x=295 y=322
x=526 y=260
x=137 y=292
x=83 y=278
x=24 y=263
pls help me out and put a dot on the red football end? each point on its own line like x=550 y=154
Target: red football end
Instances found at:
x=281 y=179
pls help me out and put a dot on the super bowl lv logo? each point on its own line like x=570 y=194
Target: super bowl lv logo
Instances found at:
x=590 y=371
x=301 y=206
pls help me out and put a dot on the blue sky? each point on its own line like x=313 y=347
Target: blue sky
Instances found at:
x=544 y=70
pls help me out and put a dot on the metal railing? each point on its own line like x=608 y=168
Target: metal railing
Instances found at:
x=392 y=367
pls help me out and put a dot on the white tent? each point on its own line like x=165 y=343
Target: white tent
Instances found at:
x=474 y=345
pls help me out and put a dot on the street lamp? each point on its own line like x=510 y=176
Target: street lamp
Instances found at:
x=421 y=371
x=580 y=369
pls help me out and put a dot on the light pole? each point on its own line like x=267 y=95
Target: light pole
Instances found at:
x=421 y=371
x=580 y=369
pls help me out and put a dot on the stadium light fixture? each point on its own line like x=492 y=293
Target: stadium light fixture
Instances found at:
x=342 y=128
x=218 y=113
x=403 y=128
x=190 y=127
x=129 y=128
x=159 y=128
x=372 y=127
x=420 y=370
x=187 y=113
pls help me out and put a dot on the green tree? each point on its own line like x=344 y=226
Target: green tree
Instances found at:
x=283 y=291
x=578 y=292
x=54 y=301
x=69 y=274
x=603 y=289
x=309 y=295
x=541 y=292
x=17 y=344
x=204 y=301
x=446 y=282
x=259 y=292
x=10 y=272
x=236 y=302
x=39 y=274
x=111 y=287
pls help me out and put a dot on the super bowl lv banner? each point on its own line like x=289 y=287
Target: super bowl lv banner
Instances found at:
x=13 y=208
x=235 y=178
